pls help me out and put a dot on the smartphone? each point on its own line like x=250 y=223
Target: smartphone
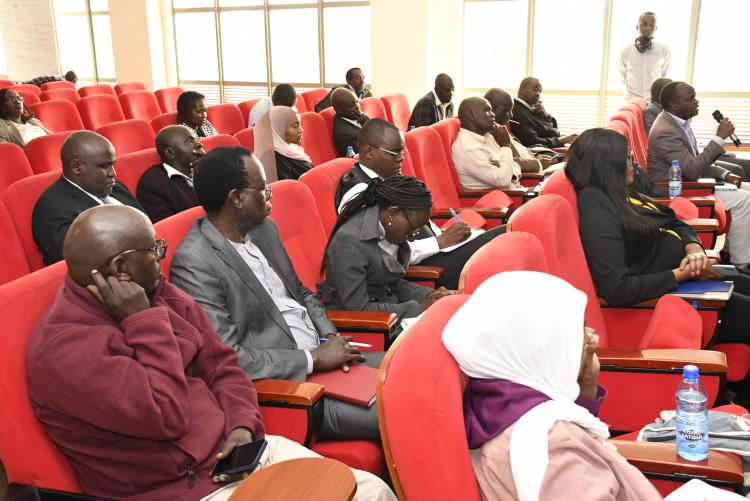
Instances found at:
x=727 y=270
x=244 y=457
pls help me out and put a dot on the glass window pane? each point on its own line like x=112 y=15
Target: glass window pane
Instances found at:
x=294 y=45
x=288 y=2
x=565 y=55
x=99 y=5
x=3 y=62
x=105 y=59
x=74 y=44
x=243 y=46
x=341 y=53
x=239 y=3
x=673 y=30
x=721 y=36
x=69 y=5
x=188 y=4
x=196 y=46
x=492 y=60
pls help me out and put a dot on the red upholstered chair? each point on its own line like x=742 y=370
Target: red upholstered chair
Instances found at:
x=129 y=135
x=420 y=413
x=27 y=88
x=301 y=105
x=164 y=120
x=65 y=93
x=4 y=84
x=373 y=107
x=245 y=108
x=226 y=118
x=29 y=98
x=58 y=84
x=129 y=87
x=211 y=142
x=317 y=139
x=140 y=104
x=98 y=110
x=397 y=110
x=323 y=181
x=131 y=166
x=13 y=262
x=313 y=97
x=44 y=152
x=95 y=90
x=58 y=115
x=167 y=98
x=13 y=165
x=638 y=140
x=328 y=115
x=246 y=138
x=20 y=198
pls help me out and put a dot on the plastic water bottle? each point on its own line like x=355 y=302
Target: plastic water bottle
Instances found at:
x=412 y=127
x=349 y=152
x=692 y=416
x=675 y=180
x=701 y=147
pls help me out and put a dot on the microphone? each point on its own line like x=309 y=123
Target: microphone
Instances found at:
x=719 y=117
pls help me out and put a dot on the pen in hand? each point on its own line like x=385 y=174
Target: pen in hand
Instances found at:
x=351 y=343
x=455 y=216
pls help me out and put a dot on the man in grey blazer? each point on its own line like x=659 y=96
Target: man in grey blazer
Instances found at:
x=234 y=264
x=672 y=138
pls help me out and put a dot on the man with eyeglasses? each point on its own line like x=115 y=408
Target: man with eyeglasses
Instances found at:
x=234 y=264
x=87 y=180
x=130 y=380
x=381 y=153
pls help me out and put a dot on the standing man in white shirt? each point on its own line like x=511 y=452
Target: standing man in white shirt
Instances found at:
x=643 y=61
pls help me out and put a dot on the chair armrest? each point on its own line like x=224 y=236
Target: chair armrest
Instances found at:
x=486 y=212
x=703 y=224
x=663 y=459
x=289 y=392
x=417 y=272
x=692 y=185
x=362 y=320
x=26 y=492
x=663 y=359
x=532 y=175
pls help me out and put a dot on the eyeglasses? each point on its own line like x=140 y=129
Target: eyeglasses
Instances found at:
x=265 y=191
x=397 y=155
x=159 y=249
x=416 y=230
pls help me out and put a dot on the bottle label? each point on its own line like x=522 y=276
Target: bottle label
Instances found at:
x=675 y=189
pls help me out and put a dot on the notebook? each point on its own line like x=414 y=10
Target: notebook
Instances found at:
x=356 y=386
x=705 y=289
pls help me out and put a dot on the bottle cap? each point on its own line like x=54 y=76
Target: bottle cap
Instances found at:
x=675 y=162
x=690 y=373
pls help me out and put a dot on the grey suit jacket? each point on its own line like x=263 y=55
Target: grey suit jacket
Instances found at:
x=650 y=112
x=207 y=267
x=667 y=141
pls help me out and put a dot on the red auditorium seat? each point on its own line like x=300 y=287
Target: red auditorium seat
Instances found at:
x=164 y=120
x=129 y=135
x=13 y=165
x=226 y=118
x=317 y=140
x=20 y=198
x=44 y=152
x=128 y=87
x=58 y=84
x=328 y=115
x=140 y=104
x=95 y=90
x=27 y=88
x=131 y=166
x=29 y=98
x=373 y=107
x=313 y=97
x=323 y=181
x=301 y=105
x=397 y=110
x=13 y=262
x=211 y=142
x=99 y=110
x=4 y=84
x=65 y=93
x=245 y=108
x=58 y=115
x=246 y=138
x=167 y=98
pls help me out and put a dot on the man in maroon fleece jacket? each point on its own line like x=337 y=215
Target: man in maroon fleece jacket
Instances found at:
x=131 y=381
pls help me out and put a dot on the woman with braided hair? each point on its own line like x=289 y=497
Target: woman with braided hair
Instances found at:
x=367 y=255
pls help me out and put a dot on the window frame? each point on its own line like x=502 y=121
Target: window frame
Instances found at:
x=88 y=13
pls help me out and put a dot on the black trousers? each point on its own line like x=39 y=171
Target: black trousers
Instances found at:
x=453 y=262
x=735 y=319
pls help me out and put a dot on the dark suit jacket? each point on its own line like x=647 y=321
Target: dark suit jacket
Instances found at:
x=326 y=101
x=650 y=112
x=426 y=111
x=344 y=135
x=56 y=209
x=163 y=196
x=207 y=267
x=533 y=128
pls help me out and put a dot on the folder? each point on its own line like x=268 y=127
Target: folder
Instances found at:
x=705 y=289
x=356 y=386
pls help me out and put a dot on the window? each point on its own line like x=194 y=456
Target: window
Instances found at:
x=84 y=39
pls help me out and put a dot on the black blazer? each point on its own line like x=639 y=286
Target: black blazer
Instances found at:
x=163 y=196
x=344 y=135
x=533 y=128
x=290 y=168
x=603 y=242
x=426 y=112
x=56 y=209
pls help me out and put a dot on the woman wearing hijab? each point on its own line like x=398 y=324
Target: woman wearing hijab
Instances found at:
x=367 y=255
x=533 y=391
x=17 y=122
x=278 y=134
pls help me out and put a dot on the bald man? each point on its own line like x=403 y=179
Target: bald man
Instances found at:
x=167 y=187
x=349 y=119
x=355 y=82
x=435 y=105
x=88 y=180
x=533 y=125
x=133 y=384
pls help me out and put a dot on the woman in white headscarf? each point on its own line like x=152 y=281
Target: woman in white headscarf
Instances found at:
x=533 y=391
x=278 y=135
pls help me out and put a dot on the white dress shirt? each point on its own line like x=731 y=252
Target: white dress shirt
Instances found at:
x=108 y=200
x=172 y=172
x=638 y=70
x=475 y=158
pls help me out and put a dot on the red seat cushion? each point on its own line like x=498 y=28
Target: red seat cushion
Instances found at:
x=129 y=135
x=13 y=165
x=365 y=455
x=58 y=115
x=167 y=98
x=140 y=104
